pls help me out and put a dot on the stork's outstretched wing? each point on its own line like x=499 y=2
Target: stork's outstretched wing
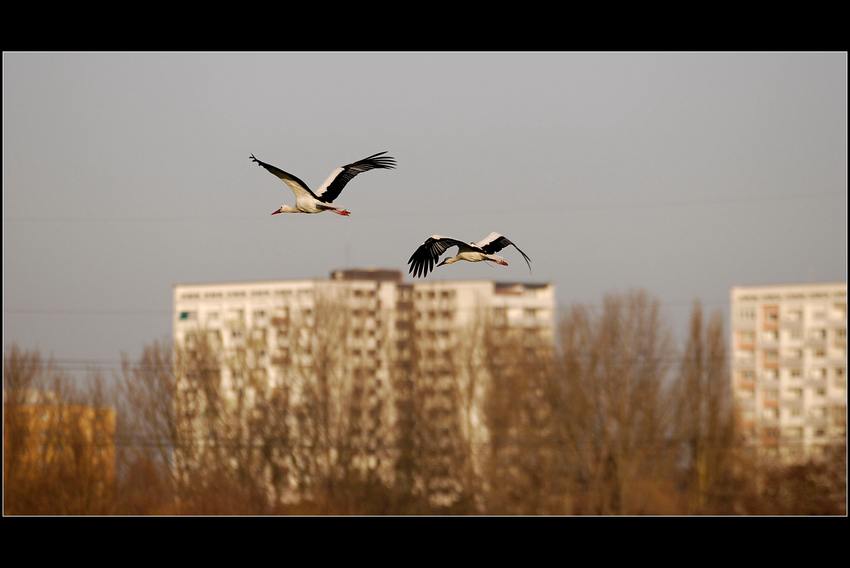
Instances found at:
x=423 y=259
x=494 y=242
x=333 y=186
x=298 y=187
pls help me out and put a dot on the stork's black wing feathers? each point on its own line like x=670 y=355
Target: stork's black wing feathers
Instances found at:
x=287 y=178
x=331 y=189
x=423 y=259
x=499 y=242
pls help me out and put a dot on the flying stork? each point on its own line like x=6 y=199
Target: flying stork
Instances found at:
x=429 y=252
x=306 y=201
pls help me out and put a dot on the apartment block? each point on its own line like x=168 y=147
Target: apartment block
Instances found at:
x=789 y=367
x=392 y=356
x=376 y=305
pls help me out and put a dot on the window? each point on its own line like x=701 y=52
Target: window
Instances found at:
x=794 y=354
x=746 y=355
x=794 y=432
x=747 y=314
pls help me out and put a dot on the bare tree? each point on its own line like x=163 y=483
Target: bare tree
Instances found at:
x=611 y=403
x=433 y=462
x=58 y=440
x=526 y=473
x=706 y=421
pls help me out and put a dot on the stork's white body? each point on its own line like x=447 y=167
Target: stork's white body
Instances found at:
x=471 y=254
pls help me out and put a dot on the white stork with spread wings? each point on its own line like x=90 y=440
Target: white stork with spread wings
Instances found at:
x=306 y=201
x=429 y=252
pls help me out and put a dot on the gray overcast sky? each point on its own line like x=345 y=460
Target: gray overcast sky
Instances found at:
x=680 y=173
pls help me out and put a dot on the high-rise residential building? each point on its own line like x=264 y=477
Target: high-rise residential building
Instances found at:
x=789 y=367
x=382 y=353
x=375 y=304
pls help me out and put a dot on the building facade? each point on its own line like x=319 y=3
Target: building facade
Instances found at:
x=376 y=305
x=367 y=357
x=789 y=367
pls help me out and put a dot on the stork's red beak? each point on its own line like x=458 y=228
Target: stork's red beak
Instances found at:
x=276 y=212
